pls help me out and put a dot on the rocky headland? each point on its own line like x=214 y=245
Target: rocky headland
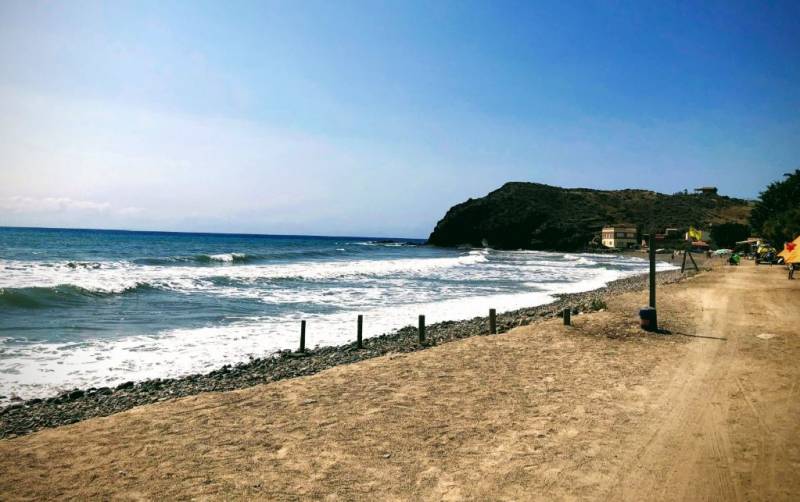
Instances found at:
x=536 y=216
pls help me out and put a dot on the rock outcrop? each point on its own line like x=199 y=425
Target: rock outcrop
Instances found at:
x=536 y=216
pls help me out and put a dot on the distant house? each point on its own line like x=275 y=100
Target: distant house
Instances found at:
x=706 y=190
x=620 y=236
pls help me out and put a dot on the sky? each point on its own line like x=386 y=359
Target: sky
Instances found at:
x=373 y=118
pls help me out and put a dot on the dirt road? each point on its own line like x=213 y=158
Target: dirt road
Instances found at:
x=727 y=425
x=593 y=411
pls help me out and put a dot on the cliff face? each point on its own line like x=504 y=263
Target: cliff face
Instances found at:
x=535 y=216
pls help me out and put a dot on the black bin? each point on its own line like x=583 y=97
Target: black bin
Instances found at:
x=648 y=319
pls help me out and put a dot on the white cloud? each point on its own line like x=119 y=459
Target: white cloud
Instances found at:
x=20 y=204
x=41 y=205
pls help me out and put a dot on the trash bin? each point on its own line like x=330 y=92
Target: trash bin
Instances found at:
x=648 y=319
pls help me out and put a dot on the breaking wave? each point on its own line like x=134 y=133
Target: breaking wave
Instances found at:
x=121 y=277
x=64 y=295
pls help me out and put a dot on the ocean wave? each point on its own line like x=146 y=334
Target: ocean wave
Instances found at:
x=237 y=258
x=57 y=366
x=390 y=293
x=226 y=257
x=63 y=295
x=37 y=284
x=198 y=258
x=117 y=277
x=389 y=243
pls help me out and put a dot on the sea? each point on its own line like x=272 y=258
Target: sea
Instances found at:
x=92 y=308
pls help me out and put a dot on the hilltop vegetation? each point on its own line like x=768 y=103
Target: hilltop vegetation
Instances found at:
x=776 y=215
x=536 y=216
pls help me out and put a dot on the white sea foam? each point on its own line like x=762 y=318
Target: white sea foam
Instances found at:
x=227 y=257
x=116 y=277
x=389 y=293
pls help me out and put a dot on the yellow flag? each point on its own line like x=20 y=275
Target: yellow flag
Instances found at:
x=695 y=234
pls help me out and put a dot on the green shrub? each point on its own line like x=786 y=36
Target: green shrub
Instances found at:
x=597 y=303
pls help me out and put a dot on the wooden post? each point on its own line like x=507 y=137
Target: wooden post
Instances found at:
x=652 y=250
x=421 y=329
x=360 y=331
x=566 y=314
x=302 y=337
x=493 y=321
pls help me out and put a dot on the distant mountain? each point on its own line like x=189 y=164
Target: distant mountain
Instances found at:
x=535 y=216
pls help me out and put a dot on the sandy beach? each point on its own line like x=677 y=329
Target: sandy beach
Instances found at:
x=593 y=411
x=399 y=251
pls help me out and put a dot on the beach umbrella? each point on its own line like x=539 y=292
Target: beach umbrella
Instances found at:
x=793 y=254
x=788 y=248
x=720 y=252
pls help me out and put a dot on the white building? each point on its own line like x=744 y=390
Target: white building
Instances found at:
x=619 y=236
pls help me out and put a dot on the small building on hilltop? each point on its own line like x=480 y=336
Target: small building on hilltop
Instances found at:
x=621 y=236
x=706 y=190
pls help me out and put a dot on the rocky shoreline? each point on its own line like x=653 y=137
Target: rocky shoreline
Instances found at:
x=79 y=404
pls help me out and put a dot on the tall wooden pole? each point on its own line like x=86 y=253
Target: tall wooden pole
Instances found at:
x=652 y=250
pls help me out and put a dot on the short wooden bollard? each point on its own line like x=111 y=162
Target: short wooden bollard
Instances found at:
x=360 y=331
x=302 y=337
x=493 y=321
x=566 y=315
x=422 y=329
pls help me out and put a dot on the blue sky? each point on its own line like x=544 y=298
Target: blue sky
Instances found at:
x=373 y=118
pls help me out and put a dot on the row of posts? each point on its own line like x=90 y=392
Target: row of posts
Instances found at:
x=420 y=329
x=360 y=330
x=566 y=313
